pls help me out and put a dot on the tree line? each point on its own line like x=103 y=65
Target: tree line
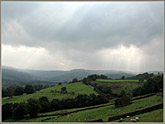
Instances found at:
x=152 y=85
x=102 y=90
x=35 y=106
x=19 y=90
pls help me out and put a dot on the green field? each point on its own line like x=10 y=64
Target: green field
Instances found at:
x=77 y=88
x=106 y=80
x=119 y=85
x=103 y=112
x=153 y=116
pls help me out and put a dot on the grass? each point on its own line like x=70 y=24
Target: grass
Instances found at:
x=106 y=112
x=117 y=87
x=153 y=116
x=78 y=88
x=106 y=80
x=102 y=113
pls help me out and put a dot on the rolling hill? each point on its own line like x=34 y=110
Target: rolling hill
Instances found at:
x=13 y=75
x=77 y=88
x=22 y=76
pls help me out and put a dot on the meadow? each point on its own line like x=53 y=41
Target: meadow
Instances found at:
x=102 y=112
x=108 y=80
x=77 y=88
x=119 y=85
x=153 y=116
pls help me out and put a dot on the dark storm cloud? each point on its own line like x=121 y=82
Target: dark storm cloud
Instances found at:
x=80 y=31
x=97 y=25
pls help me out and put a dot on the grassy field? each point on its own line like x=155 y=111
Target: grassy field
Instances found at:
x=153 y=116
x=106 y=80
x=118 y=86
x=78 y=88
x=102 y=112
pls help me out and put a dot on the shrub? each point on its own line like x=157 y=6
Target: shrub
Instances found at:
x=33 y=107
x=20 y=111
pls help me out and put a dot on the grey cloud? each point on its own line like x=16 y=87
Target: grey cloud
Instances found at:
x=97 y=26
x=93 y=27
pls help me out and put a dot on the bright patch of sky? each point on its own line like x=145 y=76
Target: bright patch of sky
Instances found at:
x=125 y=36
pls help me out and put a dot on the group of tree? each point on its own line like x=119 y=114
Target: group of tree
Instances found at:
x=88 y=79
x=19 y=90
x=34 y=106
x=63 y=90
x=123 y=77
x=142 y=77
x=152 y=85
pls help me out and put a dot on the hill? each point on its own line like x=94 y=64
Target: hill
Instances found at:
x=53 y=93
x=119 y=85
x=103 y=112
x=13 y=75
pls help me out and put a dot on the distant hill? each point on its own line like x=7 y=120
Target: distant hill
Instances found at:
x=13 y=75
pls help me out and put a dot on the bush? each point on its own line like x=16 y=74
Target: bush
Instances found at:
x=7 y=111
x=20 y=111
x=19 y=91
x=33 y=107
x=29 y=89
x=152 y=85
x=122 y=101
x=45 y=105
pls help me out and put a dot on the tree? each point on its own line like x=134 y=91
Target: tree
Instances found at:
x=10 y=91
x=122 y=101
x=29 y=89
x=103 y=77
x=136 y=91
x=92 y=77
x=20 y=111
x=7 y=110
x=85 y=81
x=101 y=99
x=141 y=80
x=38 y=87
x=74 y=80
x=63 y=90
x=107 y=90
x=123 y=77
x=55 y=104
x=4 y=92
x=19 y=91
x=33 y=107
x=151 y=85
x=45 y=105
x=122 y=93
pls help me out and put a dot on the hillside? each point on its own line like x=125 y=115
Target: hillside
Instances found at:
x=119 y=85
x=13 y=75
x=77 y=88
x=102 y=112
x=73 y=106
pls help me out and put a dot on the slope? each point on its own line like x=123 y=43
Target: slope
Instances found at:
x=53 y=93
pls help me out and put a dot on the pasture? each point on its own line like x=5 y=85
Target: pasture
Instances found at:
x=108 y=80
x=153 y=116
x=77 y=88
x=119 y=85
x=101 y=113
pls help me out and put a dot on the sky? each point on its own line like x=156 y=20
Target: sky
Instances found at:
x=126 y=36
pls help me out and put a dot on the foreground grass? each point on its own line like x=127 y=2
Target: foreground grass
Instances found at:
x=77 y=88
x=99 y=113
x=109 y=111
x=153 y=116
